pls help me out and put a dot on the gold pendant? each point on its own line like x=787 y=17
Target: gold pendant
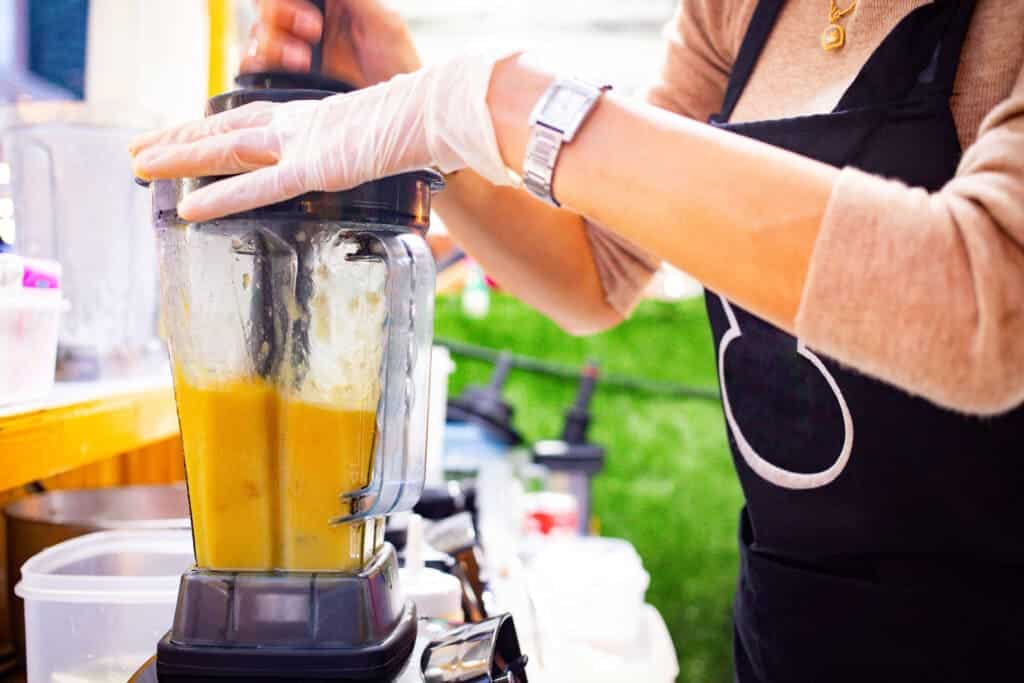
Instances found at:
x=833 y=37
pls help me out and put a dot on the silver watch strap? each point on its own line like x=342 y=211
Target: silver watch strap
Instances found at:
x=539 y=164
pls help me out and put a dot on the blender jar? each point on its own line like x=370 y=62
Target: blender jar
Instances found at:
x=69 y=201
x=300 y=342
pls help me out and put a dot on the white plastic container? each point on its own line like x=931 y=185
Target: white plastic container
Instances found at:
x=29 y=321
x=436 y=595
x=96 y=606
x=589 y=589
x=70 y=204
x=649 y=656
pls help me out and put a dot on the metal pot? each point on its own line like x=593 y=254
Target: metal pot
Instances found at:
x=45 y=519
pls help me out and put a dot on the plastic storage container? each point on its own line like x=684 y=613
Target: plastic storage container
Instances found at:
x=591 y=616
x=42 y=520
x=29 y=320
x=73 y=202
x=649 y=656
x=96 y=606
x=592 y=588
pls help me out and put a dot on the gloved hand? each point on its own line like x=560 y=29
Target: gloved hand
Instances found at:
x=435 y=117
x=365 y=42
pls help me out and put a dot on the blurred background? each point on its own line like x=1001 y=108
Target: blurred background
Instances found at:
x=667 y=485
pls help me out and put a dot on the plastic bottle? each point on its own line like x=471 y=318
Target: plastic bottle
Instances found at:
x=476 y=297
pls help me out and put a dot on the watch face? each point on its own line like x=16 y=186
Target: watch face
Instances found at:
x=565 y=105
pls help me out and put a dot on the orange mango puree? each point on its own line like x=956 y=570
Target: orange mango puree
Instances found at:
x=264 y=477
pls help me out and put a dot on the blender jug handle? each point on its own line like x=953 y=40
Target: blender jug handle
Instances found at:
x=399 y=466
x=53 y=237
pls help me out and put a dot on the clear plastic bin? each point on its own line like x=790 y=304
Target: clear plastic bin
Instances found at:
x=71 y=203
x=29 y=320
x=96 y=606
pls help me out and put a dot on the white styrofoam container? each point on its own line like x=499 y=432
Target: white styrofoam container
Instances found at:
x=96 y=606
x=29 y=320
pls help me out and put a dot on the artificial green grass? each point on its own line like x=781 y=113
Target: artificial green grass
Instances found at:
x=668 y=485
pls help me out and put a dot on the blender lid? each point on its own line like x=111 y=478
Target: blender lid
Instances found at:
x=399 y=200
x=494 y=417
x=276 y=90
x=440 y=502
x=486 y=407
x=563 y=456
x=292 y=81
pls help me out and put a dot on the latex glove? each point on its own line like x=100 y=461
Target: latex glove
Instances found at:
x=436 y=117
x=365 y=42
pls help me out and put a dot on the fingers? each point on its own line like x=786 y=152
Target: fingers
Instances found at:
x=251 y=115
x=270 y=48
x=241 y=193
x=298 y=17
x=234 y=152
x=282 y=36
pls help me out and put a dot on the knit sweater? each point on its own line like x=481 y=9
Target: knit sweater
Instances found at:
x=922 y=290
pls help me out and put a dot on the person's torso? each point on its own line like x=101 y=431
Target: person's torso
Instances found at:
x=876 y=522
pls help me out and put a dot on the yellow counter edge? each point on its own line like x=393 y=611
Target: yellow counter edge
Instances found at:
x=45 y=442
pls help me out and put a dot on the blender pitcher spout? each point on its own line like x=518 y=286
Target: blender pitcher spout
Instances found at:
x=361 y=503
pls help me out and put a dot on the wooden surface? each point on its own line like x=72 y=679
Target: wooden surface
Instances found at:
x=83 y=424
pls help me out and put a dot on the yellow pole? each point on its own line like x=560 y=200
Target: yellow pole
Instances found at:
x=221 y=39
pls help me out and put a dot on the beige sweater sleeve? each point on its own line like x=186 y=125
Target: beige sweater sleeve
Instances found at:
x=926 y=291
x=700 y=41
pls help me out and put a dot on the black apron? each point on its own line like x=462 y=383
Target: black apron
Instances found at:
x=881 y=538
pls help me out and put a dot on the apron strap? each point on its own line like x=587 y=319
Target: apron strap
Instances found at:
x=922 y=54
x=944 y=69
x=953 y=44
x=761 y=25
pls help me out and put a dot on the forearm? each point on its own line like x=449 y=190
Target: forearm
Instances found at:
x=538 y=253
x=740 y=216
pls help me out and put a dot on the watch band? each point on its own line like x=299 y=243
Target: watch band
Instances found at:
x=554 y=122
x=542 y=151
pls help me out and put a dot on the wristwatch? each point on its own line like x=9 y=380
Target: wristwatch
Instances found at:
x=554 y=122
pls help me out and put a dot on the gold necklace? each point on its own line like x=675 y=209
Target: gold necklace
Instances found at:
x=834 y=35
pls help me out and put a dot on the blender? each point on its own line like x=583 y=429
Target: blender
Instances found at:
x=300 y=339
x=480 y=426
x=573 y=460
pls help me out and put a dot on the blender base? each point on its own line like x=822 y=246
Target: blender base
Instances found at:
x=377 y=663
x=290 y=626
x=485 y=651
